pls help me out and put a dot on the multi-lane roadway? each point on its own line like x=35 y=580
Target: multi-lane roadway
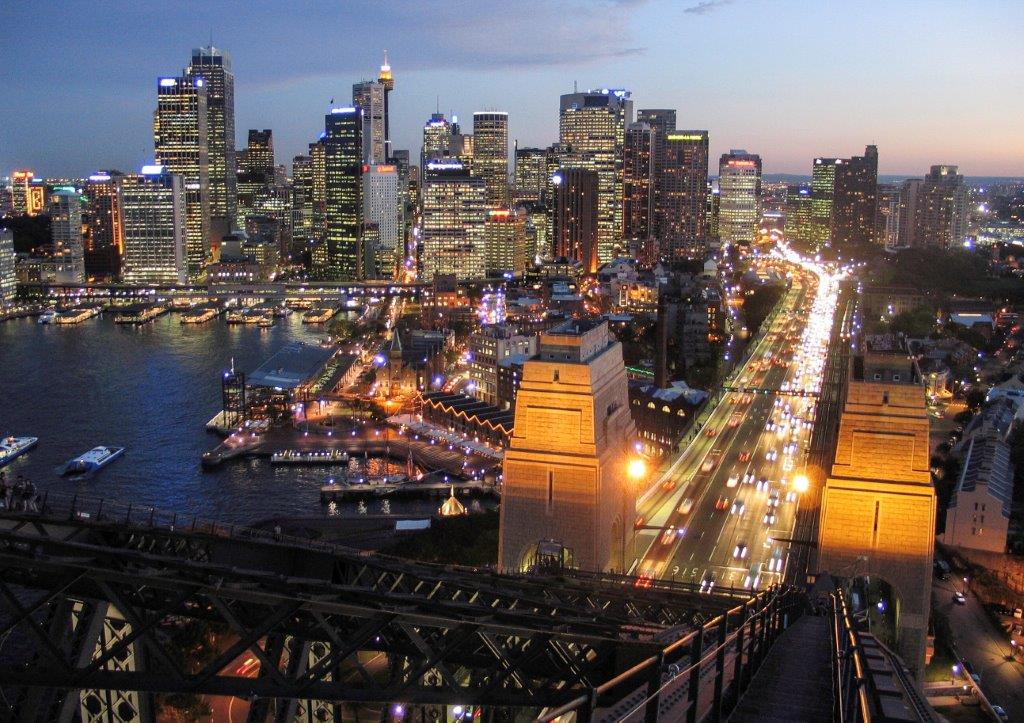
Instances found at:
x=723 y=513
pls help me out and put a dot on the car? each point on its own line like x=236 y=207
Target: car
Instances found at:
x=708 y=583
x=775 y=562
x=669 y=535
x=644 y=581
x=748 y=478
x=753 y=579
x=732 y=481
x=771 y=455
x=738 y=508
x=791 y=496
x=773 y=499
x=770 y=518
x=668 y=485
x=959 y=598
x=722 y=503
x=640 y=522
x=711 y=432
x=686 y=506
x=1000 y=713
x=740 y=551
x=744 y=457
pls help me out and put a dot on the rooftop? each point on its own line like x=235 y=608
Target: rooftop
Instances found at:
x=291 y=366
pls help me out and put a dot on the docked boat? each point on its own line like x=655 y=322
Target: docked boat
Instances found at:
x=75 y=316
x=199 y=315
x=47 y=317
x=139 y=313
x=266 y=322
x=246 y=316
x=95 y=459
x=13 y=447
x=318 y=315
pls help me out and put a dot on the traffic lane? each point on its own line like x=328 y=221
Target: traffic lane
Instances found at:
x=977 y=640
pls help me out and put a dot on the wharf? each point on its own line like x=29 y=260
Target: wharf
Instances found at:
x=405 y=490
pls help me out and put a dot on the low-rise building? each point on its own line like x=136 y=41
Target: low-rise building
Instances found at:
x=488 y=347
x=469 y=417
x=662 y=416
x=510 y=375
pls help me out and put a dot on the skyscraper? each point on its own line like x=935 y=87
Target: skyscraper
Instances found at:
x=340 y=257
x=153 y=205
x=855 y=200
x=505 y=242
x=180 y=136
x=65 y=211
x=302 y=203
x=490 y=154
x=8 y=276
x=887 y=216
x=638 y=189
x=823 y=190
x=436 y=137
x=381 y=208
x=21 y=180
x=576 y=216
x=255 y=170
x=369 y=96
x=739 y=185
x=798 y=217
x=106 y=237
x=213 y=65
x=683 y=230
x=662 y=122
x=941 y=214
x=454 y=214
x=592 y=132
x=531 y=175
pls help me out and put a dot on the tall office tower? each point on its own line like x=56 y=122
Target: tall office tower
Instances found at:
x=259 y=154
x=386 y=79
x=713 y=206
x=531 y=175
x=105 y=244
x=505 y=242
x=576 y=216
x=213 y=65
x=662 y=122
x=909 y=192
x=566 y=493
x=592 y=132
x=340 y=256
x=537 y=229
x=436 y=138
x=887 y=216
x=65 y=211
x=490 y=154
x=369 y=95
x=855 y=200
x=318 y=152
x=21 y=180
x=400 y=158
x=799 y=231
x=454 y=214
x=255 y=170
x=823 y=190
x=180 y=134
x=638 y=190
x=739 y=186
x=381 y=207
x=153 y=206
x=460 y=145
x=683 y=228
x=8 y=276
x=6 y=202
x=302 y=203
x=941 y=217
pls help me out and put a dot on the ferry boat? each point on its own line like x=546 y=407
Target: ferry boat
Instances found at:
x=198 y=315
x=76 y=316
x=13 y=447
x=47 y=317
x=318 y=315
x=95 y=459
x=139 y=313
x=266 y=322
x=246 y=316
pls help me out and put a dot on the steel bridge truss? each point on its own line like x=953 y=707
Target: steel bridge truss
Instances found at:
x=98 y=594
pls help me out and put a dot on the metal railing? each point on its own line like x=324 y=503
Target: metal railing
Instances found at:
x=669 y=685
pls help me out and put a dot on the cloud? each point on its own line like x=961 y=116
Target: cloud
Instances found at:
x=705 y=7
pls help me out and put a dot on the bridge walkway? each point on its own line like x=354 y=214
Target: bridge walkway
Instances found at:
x=794 y=683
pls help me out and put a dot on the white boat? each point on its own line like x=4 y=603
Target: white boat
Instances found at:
x=93 y=460
x=47 y=317
x=13 y=447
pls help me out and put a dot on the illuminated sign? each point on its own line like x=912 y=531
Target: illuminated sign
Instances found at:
x=686 y=137
x=445 y=165
x=343 y=111
x=152 y=170
x=556 y=179
x=742 y=164
x=99 y=177
x=168 y=82
x=499 y=213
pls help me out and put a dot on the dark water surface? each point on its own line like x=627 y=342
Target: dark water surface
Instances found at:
x=150 y=389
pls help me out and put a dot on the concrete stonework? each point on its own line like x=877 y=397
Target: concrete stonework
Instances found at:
x=878 y=506
x=565 y=470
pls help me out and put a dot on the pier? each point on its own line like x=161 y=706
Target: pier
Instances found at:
x=405 y=490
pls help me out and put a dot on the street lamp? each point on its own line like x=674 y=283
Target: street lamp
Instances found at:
x=801 y=483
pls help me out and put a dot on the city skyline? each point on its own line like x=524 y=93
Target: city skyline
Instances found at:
x=788 y=111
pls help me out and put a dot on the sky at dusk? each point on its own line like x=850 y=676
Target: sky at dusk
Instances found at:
x=928 y=81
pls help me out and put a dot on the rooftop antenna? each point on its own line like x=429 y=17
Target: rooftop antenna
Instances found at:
x=211 y=38
x=574 y=88
x=437 y=104
x=232 y=365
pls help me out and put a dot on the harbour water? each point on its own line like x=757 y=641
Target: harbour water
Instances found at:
x=150 y=389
